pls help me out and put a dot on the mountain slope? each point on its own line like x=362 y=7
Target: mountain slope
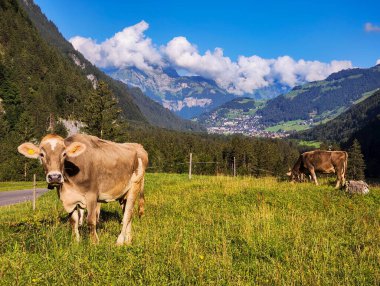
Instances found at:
x=35 y=78
x=348 y=123
x=322 y=100
x=187 y=96
x=132 y=108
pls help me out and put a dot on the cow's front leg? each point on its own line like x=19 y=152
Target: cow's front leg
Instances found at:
x=91 y=219
x=314 y=176
x=74 y=221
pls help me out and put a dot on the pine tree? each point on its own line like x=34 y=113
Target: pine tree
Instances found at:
x=356 y=164
x=101 y=113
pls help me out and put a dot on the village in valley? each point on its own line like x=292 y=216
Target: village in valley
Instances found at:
x=245 y=124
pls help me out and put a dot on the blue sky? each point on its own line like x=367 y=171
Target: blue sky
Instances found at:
x=241 y=45
x=312 y=30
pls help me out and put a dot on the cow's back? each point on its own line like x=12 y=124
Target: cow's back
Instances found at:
x=324 y=161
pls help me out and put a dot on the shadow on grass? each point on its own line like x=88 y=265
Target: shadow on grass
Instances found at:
x=106 y=215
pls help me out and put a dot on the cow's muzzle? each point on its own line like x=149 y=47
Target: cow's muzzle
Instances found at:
x=54 y=178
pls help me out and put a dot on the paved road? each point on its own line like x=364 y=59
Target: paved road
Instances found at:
x=14 y=197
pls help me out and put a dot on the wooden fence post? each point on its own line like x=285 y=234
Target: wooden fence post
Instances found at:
x=234 y=166
x=34 y=192
x=190 y=165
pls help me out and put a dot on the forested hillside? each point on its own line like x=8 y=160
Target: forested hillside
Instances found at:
x=322 y=99
x=362 y=121
x=169 y=152
x=135 y=105
x=35 y=81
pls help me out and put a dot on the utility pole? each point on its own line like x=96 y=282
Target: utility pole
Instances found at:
x=34 y=192
x=190 y=165
x=234 y=166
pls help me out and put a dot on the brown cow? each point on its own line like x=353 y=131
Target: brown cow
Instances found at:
x=326 y=162
x=89 y=170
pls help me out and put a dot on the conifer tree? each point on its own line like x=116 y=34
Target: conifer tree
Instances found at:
x=101 y=113
x=356 y=164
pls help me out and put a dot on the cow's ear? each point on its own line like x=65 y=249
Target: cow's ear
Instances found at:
x=29 y=150
x=75 y=149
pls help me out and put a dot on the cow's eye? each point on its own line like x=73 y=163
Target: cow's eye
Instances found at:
x=64 y=154
x=42 y=155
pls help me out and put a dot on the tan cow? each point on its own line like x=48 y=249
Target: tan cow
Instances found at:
x=326 y=162
x=89 y=170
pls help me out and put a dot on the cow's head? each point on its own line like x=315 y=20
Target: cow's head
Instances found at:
x=294 y=176
x=52 y=153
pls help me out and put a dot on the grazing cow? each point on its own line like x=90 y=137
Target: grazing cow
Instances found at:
x=326 y=162
x=88 y=170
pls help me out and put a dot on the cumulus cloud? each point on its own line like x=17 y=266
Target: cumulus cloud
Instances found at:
x=378 y=62
x=247 y=73
x=131 y=47
x=369 y=27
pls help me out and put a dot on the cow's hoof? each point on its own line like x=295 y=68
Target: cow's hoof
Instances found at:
x=128 y=240
x=95 y=239
x=120 y=240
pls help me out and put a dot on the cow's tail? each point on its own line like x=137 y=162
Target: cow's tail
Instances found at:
x=139 y=183
x=141 y=199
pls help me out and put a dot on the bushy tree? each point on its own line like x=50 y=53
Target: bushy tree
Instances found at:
x=356 y=164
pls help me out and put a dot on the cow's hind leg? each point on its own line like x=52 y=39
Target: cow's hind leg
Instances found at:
x=74 y=221
x=340 y=174
x=91 y=220
x=125 y=236
x=338 y=179
x=98 y=206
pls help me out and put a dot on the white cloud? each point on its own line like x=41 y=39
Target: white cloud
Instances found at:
x=131 y=47
x=369 y=27
x=378 y=62
x=248 y=73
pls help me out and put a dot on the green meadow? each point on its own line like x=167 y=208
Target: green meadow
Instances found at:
x=207 y=231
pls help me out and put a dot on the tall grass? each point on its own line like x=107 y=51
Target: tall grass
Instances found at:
x=207 y=231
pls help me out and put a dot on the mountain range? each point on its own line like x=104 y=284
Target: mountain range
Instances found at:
x=187 y=96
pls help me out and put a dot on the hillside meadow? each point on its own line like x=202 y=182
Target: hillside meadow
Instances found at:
x=207 y=231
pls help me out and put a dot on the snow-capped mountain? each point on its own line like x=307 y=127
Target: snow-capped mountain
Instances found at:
x=188 y=96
